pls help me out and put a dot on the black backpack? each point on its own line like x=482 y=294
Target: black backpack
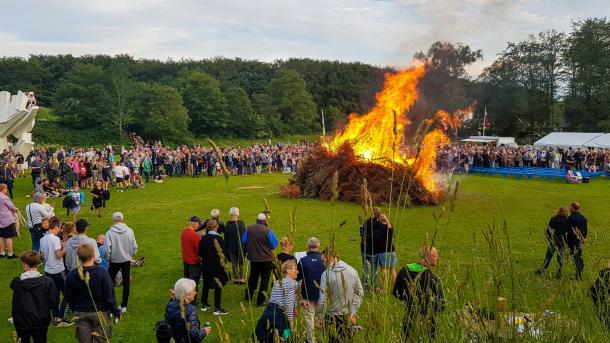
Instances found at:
x=69 y=202
x=163 y=331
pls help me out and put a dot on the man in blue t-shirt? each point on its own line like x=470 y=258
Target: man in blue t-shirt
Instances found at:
x=310 y=269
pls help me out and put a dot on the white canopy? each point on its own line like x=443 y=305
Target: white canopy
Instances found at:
x=602 y=141
x=566 y=139
x=497 y=141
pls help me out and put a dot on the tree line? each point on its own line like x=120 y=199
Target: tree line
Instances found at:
x=548 y=81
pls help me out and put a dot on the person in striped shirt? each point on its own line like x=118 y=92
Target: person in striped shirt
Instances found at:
x=280 y=310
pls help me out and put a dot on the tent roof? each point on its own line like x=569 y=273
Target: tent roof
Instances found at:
x=479 y=140
x=566 y=139
x=602 y=141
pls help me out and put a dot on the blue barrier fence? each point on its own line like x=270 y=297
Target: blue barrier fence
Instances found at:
x=531 y=172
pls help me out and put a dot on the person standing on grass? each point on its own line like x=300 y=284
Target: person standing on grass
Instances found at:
x=117 y=172
x=422 y=293
x=97 y=198
x=341 y=295
x=215 y=215
x=189 y=244
x=212 y=252
x=385 y=251
x=310 y=269
x=369 y=263
x=576 y=237
x=235 y=229
x=122 y=247
x=260 y=241
x=7 y=176
x=34 y=296
x=7 y=223
x=91 y=298
x=79 y=199
x=77 y=240
x=557 y=234
x=53 y=250
x=280 y=311
x=181 y=315
x=35 y=212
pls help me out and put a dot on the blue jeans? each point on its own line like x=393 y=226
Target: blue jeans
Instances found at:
x=60 y=279
x=550 y=251
x=272 y=319
x=36 y=235
x=369 y=271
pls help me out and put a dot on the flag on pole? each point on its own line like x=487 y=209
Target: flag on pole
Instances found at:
x=486 y=118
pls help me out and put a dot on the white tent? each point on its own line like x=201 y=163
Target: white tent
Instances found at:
x=602 y=141
x=495 y=140
x=566 y=139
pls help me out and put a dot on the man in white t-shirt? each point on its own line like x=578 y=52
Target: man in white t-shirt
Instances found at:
x=117 y=171
x=53 y=251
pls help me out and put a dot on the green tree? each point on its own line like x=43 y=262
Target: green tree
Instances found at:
x=121 y=92
x=245 y=121
x=82 y=100
x=289 y=96
x=205 y=103
x=160 y=113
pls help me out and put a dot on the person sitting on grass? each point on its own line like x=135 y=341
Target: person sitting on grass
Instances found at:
x=422 y=293
x=90 y=293
x=280 y=311
x=179 y=312
x=34 y=295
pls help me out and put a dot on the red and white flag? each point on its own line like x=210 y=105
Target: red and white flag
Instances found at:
x=486 y=118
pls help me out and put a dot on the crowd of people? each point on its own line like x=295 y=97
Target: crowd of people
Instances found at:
x=463 y=158
x=81 y=273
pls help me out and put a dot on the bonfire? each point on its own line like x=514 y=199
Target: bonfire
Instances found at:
x=373 y=152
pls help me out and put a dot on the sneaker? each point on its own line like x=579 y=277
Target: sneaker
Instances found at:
x=123 y=309
x=539 y=271
x=205 y=307
x=220 y=312
x=10 y=320
x=10 y=257
x=63 y=324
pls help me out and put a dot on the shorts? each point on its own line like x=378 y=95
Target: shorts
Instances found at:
x=386 y=259
x=8 y=232
x=76 y=209
x=126 y=178
x=119 y=179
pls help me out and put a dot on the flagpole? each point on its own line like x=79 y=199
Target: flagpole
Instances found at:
x=323 y=124
x=484 y=120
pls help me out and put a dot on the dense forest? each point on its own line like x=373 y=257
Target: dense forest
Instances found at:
x=548 y=81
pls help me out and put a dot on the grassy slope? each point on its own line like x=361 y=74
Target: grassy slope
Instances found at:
x=159 y=212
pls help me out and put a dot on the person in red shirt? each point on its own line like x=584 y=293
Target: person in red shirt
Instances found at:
x=189 y=241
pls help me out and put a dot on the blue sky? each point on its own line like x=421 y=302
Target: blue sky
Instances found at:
x=381 y=32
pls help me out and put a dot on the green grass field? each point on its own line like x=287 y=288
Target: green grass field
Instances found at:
x=474 y=269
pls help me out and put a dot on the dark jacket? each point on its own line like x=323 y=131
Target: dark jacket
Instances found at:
x=383 y=238
x=212 y=252
x=422 y=293
x=178 y=324
x=260 y=242
x=310 y=271
x=33 y=299
x=560 y=226
x=366 y=235
x=579 y=227
x=233 y=233
x=101 y=286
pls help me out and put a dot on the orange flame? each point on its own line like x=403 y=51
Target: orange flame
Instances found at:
x=378 y=136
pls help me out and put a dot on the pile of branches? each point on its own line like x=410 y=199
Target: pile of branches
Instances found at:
x=395 y=184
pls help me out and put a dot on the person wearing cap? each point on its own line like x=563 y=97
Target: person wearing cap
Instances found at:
x=75 y=241
x=121 y=248
x=189 y=243
x=259 y=241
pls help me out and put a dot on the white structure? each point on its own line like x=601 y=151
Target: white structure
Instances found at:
x=493 y=140
x=602 y=141
x=17 y=118
x=567 y=139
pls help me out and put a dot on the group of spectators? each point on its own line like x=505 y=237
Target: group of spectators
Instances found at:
x=82 y=269
x=463 y=158
x=331 y=291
